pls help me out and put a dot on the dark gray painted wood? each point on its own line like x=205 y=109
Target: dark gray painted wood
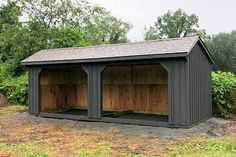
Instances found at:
x=34 y=104
x=107 y=119
x=189 y=88
x=200 y=93
x=178 y=92
x=94 y=90
x=167 y=68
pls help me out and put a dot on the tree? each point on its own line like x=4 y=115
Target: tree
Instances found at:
x=223 y=49
x=102 y=27
x=97 y=24
x=9 y=14
x=49 y=24
x=9 y=22
x=68 y=36
x=172 y=25
x=53 y=24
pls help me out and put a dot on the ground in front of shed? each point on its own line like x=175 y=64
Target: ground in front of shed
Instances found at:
x=25 y=135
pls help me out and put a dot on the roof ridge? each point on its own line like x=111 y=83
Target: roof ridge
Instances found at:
x=119 y=44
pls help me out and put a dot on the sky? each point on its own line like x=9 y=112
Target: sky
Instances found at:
x=214 y=15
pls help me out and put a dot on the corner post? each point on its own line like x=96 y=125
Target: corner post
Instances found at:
x=34 y=90
x=94 y=72
x=167 y=68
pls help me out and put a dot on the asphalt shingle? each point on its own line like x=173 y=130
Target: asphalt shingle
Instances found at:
x=155 y=47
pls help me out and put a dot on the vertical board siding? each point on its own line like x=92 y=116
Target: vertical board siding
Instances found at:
x=190 y=98
x=94 y=90
x=178 y=91
x=34 y=106
x=200 y=85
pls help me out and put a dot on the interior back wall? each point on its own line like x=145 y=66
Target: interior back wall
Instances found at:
x=139 y=88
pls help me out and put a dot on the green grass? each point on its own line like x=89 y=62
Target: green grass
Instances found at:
x=4 y=147
x=17 y=107
x=214 y=147
x=12 y=110
x=98 y=153
x=137 y=155
x=31 y=154
x=25 y=150
x=103 y=150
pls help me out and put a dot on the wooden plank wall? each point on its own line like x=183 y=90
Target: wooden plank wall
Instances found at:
x=63 y=89
x=140 y=88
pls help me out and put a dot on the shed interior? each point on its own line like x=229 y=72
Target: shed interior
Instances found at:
x=128 y=91
x=63 y=90
x=135 y=92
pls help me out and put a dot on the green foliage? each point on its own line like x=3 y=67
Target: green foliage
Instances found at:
x=16 y=88
x=97 y=25
x=231 y=98
x=68 y=37
x=104 y=28
x=172 y=25
x=9 y=22
x=49 y=24
x=224 y=91
x=223 y=48
x=9 y=14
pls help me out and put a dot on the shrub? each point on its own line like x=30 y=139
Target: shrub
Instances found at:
x=16 y=88
x=224 y=92
x=231 y=98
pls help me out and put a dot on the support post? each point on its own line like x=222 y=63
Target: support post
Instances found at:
x=167 y=68
x=94 y=90
x=34 y=89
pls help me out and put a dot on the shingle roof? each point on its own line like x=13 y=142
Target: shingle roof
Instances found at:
x=164 y=47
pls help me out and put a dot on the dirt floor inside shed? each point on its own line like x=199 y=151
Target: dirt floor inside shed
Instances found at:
x=22 y=135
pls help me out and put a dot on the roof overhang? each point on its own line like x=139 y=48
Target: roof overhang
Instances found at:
x=111 y=59
x=207 y=51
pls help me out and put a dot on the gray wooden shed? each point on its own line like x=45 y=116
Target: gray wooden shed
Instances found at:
x=158 y=83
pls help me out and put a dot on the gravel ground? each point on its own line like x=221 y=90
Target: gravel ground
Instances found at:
x=211 y=127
